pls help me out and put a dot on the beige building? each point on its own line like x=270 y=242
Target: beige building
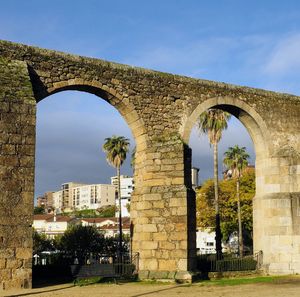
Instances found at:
x=75 y=196
x=66 y=195
x=45 y=201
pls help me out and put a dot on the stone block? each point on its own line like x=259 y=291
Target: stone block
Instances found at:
x=2 y=263
x=148 y=245
x=147 y=254
x=143 y=274
x=143 y=236
x=177 y=181
x=149 y=228
x=182 y=264
x=179 y=254
x=7 y=253
x=149 y=264
x=169 y=264
x=161 y=254
x=5 y=274
x=178 y=236
x=154 y=182
x=160 y=236
x=14 y=263
x=143 y=205
x=183 y=276
x=23 y=253
x=152 y=197
x=177 y=202
x=183 y=244
x=158 y=275
x=158 y=204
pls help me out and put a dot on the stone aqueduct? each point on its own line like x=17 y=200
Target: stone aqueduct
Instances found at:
x=160 y=109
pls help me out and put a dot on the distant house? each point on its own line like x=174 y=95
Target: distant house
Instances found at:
x=52 y=225
x=109 y=227
x=78 y=196
x=205 y=241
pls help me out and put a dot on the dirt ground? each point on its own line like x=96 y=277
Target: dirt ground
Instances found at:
x=289 y=288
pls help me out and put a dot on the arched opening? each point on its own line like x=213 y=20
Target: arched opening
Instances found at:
x=71 y=128
x=251 y=123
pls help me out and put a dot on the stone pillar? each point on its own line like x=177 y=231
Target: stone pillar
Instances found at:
x=276 y=211
x=163 y=211
x=17 y=148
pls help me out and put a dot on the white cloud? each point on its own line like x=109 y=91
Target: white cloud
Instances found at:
x=188 y=59
x=285 y=57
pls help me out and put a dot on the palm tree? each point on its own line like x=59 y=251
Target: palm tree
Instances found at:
x=116 y=148
x=236 y=159
x=213 y=122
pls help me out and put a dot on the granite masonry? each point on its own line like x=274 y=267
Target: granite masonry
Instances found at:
x=161 y=110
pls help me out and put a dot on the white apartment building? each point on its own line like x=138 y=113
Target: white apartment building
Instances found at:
x=57 y=201
x=127 y=186
x=75 y=196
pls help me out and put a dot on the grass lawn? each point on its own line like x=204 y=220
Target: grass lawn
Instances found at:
x=246 y=280
x=214 y=282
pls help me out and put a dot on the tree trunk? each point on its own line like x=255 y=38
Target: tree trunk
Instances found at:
x=120 y=214
x=240 y=236
x=217 y=212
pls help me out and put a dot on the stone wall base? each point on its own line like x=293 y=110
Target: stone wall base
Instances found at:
x=22 y=279
x=281 y=268
x=168 y=276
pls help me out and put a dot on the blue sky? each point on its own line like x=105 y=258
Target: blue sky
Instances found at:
x=253 y=43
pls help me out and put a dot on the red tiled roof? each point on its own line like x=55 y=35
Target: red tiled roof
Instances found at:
x=41 y=217
x=97 y=220
x=114 y=227
x=125 y=220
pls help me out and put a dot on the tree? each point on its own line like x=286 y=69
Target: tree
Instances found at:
x=116 y=148
x=236 y=159
x=213 y=122
x=41 y=243
x=228 y=205
x=107 y=211
x=39 y=210
x=80 y=241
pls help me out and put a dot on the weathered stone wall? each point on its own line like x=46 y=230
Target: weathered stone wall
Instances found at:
x=17 y=143
x=161 y=109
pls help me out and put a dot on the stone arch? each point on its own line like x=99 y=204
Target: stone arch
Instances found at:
x=241 y=110
x=252 y=121
x=119 y=101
